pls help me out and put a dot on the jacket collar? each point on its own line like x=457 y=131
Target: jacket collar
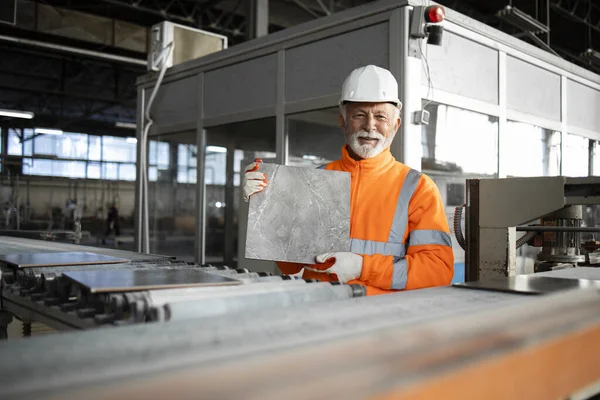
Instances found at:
x=378 y=164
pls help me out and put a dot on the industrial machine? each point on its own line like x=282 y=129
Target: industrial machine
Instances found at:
x=548 y=209
x=257 y=335
x=45 y=286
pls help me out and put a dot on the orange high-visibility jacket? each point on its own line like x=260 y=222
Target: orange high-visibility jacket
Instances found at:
x=398 y=225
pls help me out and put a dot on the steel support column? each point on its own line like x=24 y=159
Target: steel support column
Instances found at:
x=281 y=139
x=141 y=192
x=258 y=19
x=405 y=65
x=564 y=123
x=503 y=111
x=591 y=157
x=200 y=248
x=229 y=248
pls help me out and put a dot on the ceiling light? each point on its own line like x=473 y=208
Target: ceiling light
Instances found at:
x=521 y=20
x=47 y=131
x=127 y=125
x=216 y=149
x=131 y=140
x=16 y=114
x=592 y=56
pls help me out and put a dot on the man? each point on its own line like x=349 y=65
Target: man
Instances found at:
x=398 y=229
x=112 y=222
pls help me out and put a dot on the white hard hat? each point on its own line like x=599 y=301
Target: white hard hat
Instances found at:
x=370 y=84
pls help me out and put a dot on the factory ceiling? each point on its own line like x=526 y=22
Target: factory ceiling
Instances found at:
x=80 y=92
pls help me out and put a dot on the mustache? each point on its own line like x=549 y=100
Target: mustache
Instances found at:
x=368 y=135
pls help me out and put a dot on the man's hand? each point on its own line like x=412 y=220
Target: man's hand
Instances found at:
x=253 y=181
x=347 y=266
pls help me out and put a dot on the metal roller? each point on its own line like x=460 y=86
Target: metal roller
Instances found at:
x=279 y=297
x=161 y=297
x=138 y=304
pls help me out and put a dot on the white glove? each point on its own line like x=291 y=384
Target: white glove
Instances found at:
x=347 y=266
x=253 y=181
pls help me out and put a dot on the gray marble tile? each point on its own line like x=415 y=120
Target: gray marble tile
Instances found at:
x=303 y=212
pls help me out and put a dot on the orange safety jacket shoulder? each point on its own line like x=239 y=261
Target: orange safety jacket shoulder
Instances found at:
x=397 y=224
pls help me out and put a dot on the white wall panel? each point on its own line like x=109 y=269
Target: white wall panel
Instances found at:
x=583 y=106
x=532 y=90
x=461 y=66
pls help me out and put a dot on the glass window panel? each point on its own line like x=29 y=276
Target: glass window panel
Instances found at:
x=158 y=154
x=118 y=149
x=183 y=155
x=152 y=174
x=28 y=144
x=192 y=175
x=451 y=137
x=110 y=171
x=575 y=155
x=72 y=145
x=127 y=172
x=93 y=171
x=216 y=168
x=553 y=155
x=95 y=150
x=69 y=169
x=37 y=167
x=238 y=157
x=315 y=138
x=182 y=175
x=67 y=145
x=15 y=147
x=529 y=150
x=45 y=145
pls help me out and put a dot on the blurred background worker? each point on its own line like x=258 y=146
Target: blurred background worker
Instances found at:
x=400 y=237
x=112 y=222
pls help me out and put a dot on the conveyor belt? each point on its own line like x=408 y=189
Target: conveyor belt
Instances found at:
x=21 y=245
x=110 y=354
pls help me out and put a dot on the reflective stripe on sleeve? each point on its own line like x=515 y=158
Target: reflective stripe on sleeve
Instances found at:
x=400 y=274
x=370 y=247
x=425 y=236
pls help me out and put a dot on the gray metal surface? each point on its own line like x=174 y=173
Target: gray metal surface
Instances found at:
x=103 y=354
x=529 y=284
x=305 y=78
x=284 y=297
x=28 y=246
x=56 y=259
x=301 y=214
x=175 y=102
x=589 y=273
x=228 y=89
x=134 y=280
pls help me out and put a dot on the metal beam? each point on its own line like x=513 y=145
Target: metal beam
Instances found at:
x=258 y=21
x=6 y=86
x=72 y=50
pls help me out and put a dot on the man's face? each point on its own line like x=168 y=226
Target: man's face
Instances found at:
x=369 y=128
